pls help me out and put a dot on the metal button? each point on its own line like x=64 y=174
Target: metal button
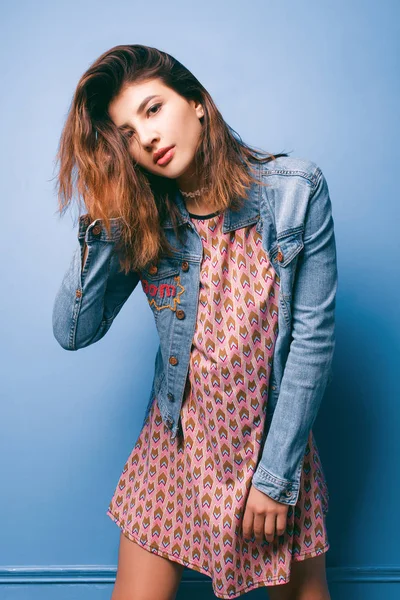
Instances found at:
x=78 y=293
x=273 y=387
x=288 y=494
x=96 y=230
x=173 y=360
x=171 y=397
x=153 y=270
x=180 y=314
x=185 y=266
x=279 y=256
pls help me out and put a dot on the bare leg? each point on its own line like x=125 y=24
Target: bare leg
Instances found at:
x=307 y=582
x=143 y=575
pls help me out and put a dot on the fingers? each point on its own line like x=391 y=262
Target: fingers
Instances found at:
x=263 y=517
x=281 y=522
x=267 y=527
x=263 y=525
x=247 y=524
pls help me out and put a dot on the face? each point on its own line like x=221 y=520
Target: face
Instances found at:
x=167 y=119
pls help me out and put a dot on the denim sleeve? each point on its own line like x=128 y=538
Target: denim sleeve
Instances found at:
x=308 y=366
x=88 y=301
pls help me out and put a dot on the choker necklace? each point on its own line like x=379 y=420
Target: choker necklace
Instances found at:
x=195 y=193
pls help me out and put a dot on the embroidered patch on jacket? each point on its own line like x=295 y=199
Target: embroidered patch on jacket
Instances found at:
x=157 y=294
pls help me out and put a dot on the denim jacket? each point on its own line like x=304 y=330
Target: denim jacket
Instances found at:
x=294 y=217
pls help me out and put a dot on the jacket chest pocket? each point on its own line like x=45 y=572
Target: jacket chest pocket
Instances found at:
x=161 y=283
x=284 y=255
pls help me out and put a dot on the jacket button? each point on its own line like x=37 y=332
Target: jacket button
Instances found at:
x=273 y=387
x=78 y=293
x=180 y=314
x=153 y=270
x=288 y=494
x=279 y=256
x=185 y=266
x=173 y=360
x=96 y=230
x=171 y=397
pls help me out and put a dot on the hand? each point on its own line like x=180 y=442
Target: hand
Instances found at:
x=264 y=516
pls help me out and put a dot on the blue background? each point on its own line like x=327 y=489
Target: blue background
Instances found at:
x=317 y=79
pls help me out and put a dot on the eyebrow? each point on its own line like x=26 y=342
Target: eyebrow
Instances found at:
x=140 y=109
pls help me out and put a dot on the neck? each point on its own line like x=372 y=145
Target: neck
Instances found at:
x=198 y=204
x=190 y=180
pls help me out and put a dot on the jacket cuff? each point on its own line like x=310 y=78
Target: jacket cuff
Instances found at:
x=95 y=230
x=281 y=490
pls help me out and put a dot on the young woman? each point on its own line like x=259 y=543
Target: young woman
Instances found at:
x=235 y=251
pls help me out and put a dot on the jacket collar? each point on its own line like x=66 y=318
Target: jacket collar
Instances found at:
x=248 y=214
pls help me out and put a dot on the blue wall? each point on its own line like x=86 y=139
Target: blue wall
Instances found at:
x=317 y=79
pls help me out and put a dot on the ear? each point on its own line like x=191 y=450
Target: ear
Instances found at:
x=199 y=110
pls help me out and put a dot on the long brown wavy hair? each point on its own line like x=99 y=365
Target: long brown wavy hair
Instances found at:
x=94 y=159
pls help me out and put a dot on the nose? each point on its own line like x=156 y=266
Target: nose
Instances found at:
x=147 y=139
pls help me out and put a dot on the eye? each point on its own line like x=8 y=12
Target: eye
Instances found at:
x=130 y=133
x=154 y=106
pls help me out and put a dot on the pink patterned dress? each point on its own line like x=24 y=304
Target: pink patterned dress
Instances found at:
x=184 y=499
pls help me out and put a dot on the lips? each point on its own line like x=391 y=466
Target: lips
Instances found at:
x=161 y=153
x=167 y=157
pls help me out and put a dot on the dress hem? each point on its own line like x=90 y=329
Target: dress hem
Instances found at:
x=195 y=567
